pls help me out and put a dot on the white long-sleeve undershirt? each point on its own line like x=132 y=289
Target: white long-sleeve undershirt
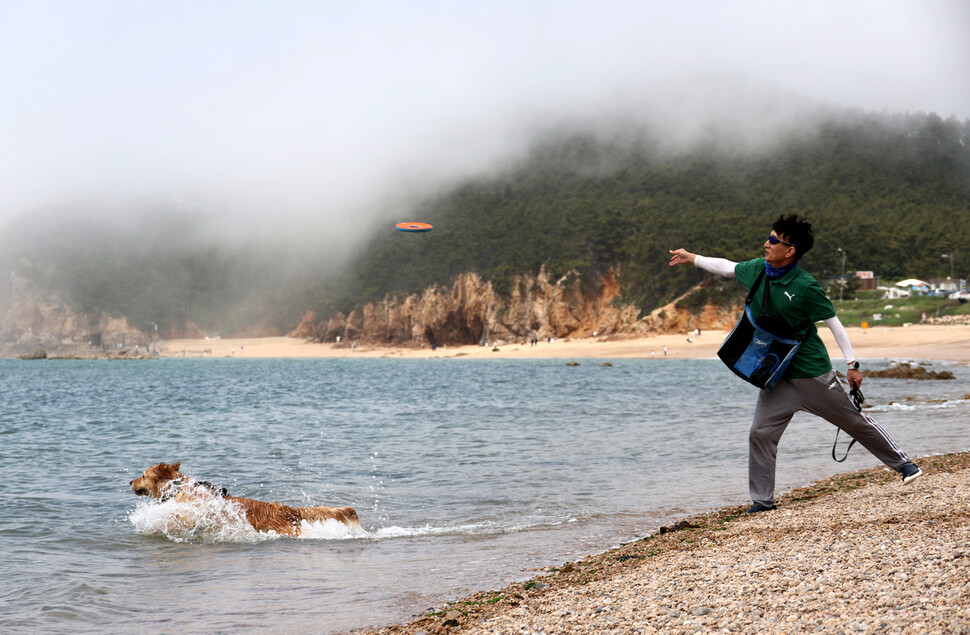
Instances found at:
x=720 y=266
x=841 y=338
x=725 y=267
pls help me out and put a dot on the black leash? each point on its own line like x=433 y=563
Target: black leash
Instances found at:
x=858 y=399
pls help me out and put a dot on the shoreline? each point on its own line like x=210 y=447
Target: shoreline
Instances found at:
x=916 y=342
x=854 y=552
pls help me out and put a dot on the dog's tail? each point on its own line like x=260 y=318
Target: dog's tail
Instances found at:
x=346 y=515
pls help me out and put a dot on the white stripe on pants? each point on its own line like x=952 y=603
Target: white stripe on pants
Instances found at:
x=824 y=396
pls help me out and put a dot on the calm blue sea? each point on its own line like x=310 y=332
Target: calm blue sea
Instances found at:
x=466 y=474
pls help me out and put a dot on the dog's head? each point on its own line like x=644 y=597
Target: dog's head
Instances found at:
x=156 y=479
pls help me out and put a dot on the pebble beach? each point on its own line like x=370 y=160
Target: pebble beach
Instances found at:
x=856 y=553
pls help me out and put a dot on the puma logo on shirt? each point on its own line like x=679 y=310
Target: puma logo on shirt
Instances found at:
x=791 y=296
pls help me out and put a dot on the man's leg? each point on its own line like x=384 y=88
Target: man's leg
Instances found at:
x=827 y=397
x=771 y=417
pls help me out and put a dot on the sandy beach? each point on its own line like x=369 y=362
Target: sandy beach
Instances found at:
x=925 y=342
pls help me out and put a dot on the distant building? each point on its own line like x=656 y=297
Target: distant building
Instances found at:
x=867 y=280
x=948 y=284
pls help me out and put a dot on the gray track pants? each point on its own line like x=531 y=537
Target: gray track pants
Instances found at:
x=824 y=396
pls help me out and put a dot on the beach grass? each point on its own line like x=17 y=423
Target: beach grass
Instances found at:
x=870 y=307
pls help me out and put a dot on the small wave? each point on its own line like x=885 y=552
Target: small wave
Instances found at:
x=488 y=528
x=331 y=530
x=914 y=405
x=416 y=532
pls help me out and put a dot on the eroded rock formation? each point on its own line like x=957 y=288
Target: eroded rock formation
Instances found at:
x=471 y=312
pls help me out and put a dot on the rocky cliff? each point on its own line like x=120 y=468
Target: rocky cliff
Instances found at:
x=32 y=321
x=471 y=312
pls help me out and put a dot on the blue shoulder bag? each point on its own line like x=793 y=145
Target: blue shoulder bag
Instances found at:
x=759 y=351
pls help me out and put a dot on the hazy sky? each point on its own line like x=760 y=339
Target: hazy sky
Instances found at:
x=293 y=108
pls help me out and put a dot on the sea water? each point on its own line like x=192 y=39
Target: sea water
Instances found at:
x=467 y=475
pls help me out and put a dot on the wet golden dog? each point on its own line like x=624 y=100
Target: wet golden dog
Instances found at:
x=165 y=482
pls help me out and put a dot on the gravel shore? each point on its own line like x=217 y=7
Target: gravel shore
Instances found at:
x=856 y=553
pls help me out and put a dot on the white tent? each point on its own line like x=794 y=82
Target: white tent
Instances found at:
x=912 y=282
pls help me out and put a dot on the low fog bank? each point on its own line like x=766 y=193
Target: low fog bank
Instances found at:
x=225 y=265
x=183 y=269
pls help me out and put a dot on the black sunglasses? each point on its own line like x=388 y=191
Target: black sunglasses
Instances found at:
x=774 y=240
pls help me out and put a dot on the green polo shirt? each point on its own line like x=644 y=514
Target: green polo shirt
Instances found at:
x=797 y=298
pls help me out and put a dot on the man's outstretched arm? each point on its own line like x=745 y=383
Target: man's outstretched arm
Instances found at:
x=720 y=266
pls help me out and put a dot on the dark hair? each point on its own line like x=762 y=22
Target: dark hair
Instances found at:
x=797 y=231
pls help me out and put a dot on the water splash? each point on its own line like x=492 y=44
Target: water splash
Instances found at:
x=214 y=519
x=210 y=519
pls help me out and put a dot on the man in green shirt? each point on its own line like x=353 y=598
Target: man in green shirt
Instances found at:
x=810 y=383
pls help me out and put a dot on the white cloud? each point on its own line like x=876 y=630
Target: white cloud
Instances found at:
x=317 y=107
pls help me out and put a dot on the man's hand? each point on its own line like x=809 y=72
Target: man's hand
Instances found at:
x=854 y=376
x=681 y=257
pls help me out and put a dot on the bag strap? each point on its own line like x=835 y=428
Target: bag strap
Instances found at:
x=754 y=288
x=846 y=450
x=857 y=400
x=766 y=297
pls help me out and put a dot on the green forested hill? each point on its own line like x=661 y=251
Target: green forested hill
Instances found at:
x=892 y=191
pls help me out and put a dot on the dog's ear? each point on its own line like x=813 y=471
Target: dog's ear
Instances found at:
x=176 y=466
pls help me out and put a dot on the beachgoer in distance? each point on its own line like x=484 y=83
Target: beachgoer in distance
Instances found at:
x=810 y=383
